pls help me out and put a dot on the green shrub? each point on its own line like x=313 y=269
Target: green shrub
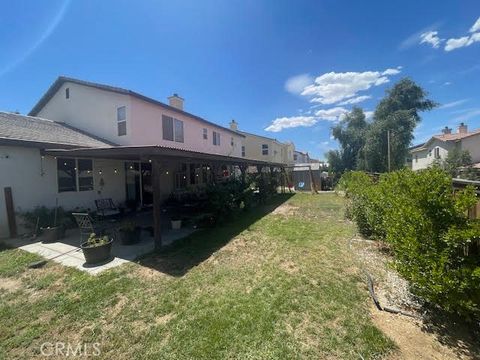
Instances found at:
x=223 y=198
x=434 y=243
x=46 y=218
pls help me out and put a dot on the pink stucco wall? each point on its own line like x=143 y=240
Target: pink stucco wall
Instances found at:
x=146 y=129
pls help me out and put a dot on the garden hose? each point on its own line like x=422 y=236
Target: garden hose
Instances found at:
x=41 y=263
x=371 y=289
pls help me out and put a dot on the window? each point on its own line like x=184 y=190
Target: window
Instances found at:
x=66 y=173
x=74 y=175
x=295 y=157
x=172 y=129
x=437 y=153
x=85 y=175
x=416 y=158
x=231 y=142
x=205 y=134
x=243 y=150
x=216 y=138
x=122 y=121
x=67 y=93
x=167 y=127
x=178 y=131
x=264 y=149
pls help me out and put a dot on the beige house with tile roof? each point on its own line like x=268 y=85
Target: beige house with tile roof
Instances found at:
x=437 y=148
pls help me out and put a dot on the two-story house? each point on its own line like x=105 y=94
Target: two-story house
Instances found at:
x=263 y=148
x=438 y=146
x=83 y=141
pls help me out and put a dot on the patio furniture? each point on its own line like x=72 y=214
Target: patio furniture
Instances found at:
x=106 y=207
x=88 y=225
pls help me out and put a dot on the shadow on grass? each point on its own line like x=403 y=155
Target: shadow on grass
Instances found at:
x=454 y=332
x=178 y=258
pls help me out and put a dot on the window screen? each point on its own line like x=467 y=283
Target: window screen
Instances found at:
x=178 y=131
x=66 y=174
x=167 y=127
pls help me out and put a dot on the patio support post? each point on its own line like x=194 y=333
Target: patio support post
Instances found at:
x=313 y=185
x=287 y=180
x=243 y=170
x=157 y=212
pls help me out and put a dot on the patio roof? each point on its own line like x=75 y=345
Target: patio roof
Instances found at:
x=154 y=151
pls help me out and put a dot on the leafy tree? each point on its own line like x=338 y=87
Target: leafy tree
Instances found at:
x=457 y=159
x=398 y=113
x=350 y=133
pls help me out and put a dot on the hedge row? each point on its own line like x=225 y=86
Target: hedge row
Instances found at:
x=436 y=246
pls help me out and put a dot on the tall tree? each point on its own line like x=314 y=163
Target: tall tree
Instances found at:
x=397 y=114
x=350 y=133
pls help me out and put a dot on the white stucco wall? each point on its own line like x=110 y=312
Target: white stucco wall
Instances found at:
x=472 y=145
x=91 y=110
x=21 y=169
x=424 y=158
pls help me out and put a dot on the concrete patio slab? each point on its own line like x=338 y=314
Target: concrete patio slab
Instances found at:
x=67 y=252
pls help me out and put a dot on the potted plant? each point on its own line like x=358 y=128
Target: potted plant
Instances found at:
x=176 y=222
x=97 y=249
x=129 y=233
x=55 y=232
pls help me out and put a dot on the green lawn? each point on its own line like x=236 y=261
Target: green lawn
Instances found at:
x=268 y=285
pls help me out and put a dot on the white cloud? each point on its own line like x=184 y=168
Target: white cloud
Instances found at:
x=297 y=83
x=291 y=122
x=475 y=27
x=467 y=115
x=333 y=114
x=431 y=37
x=456 y=43
x=453 y=44
x=412 y=40
x=369 y=114
x=355 y=100
x=332 y=87
x=453 y=103
x=392 y=71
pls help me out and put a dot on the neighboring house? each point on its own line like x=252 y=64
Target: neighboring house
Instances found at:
x=438 y=146
x=106 y=142
x=300 y=157
x=264 y=148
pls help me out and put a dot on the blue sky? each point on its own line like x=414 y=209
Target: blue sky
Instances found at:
x=301 y=63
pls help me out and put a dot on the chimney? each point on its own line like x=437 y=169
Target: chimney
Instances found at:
x=175 y=101
x=462 y=129
x=446 y=130
x=233 y=125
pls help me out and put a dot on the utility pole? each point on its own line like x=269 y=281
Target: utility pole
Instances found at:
x=388 y=149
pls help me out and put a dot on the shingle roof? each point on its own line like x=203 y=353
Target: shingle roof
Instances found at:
x=63 y=79
x=35 y=130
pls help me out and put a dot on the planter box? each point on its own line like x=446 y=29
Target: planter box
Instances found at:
x=97 y=254
x=52 y=234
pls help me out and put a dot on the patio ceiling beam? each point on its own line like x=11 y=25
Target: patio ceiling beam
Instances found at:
x=151 y=152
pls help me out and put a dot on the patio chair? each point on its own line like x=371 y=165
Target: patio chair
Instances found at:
x=106 y=208
x=87 y=226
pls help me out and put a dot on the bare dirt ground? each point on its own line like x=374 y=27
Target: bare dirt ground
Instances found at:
x=428 y=335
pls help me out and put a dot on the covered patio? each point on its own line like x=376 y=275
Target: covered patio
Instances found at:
x=155 y=219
